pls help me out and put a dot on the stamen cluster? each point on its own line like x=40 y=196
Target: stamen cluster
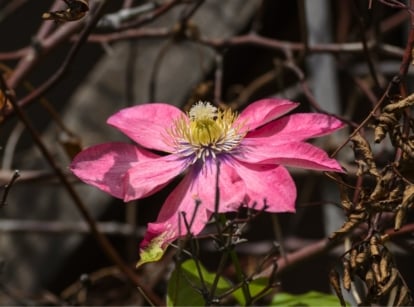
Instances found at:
x=206 y=132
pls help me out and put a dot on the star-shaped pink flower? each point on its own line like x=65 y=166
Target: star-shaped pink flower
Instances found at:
x=251 y=150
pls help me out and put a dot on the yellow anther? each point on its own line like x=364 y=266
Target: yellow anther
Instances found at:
x=206 y=131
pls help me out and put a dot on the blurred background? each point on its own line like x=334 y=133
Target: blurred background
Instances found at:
x=70 y=76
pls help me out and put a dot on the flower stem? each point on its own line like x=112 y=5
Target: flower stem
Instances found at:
x=241 y=277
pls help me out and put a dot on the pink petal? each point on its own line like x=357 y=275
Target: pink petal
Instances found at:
x=297 y=154
x=263 y=111
x=270 y=184
x=179 y=208
x=197 y=185
x=231 y=187
x=147 y=124
x=150 y=176
x=104 y=166
x=297 y=127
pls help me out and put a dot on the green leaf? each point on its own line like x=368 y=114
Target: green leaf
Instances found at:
x=185 y=285
x=255 y=287
x=312 y=298
x=151 y=254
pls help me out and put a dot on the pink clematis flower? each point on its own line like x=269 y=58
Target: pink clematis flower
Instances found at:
x=251 y=148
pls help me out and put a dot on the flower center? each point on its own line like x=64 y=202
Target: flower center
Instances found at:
x=206 y=132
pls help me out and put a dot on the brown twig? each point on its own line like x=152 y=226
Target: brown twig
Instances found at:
x=51 y=227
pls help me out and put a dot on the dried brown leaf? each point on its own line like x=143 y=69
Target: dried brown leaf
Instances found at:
x=385 y=123
x=335 y=283
x=352 y=258
x=403 y=298
x=384 y=267
x=400 y=105
x=370 y=279
x=363 y=156
x=75 y=11
x=361 y=257
x=346 y=278
x=374 y=246
x=385 y=288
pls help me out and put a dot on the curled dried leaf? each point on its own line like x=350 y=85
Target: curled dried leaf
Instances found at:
x=363 y=156
x=384 y=205
x=5 y=105
x=75 y=11
x=381 y=189
x=352 y=258
x=370 y=279
x=374 y=246
x=346 y=203
x=406 y=144
x=385 y=123
x=376 y=270
x=408 y=196
x=346 y=278
x=385 y=288
x=361 y=257
x=335 y=283
x=407 y=202
x=395 y=194
x=384 y=267
x=353 y=220
x=403 y=298
x=400 y=217
x=389 y=119
x=400 y=105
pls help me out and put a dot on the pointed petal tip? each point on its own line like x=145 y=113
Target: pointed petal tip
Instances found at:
x=150 y=176
x=105 y=165
x=152 y=253
x=263 y=111
x=155 y=242
x=147 y=124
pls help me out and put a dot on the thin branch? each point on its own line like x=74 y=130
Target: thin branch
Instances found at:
x=7 y=188
x=53 y=227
